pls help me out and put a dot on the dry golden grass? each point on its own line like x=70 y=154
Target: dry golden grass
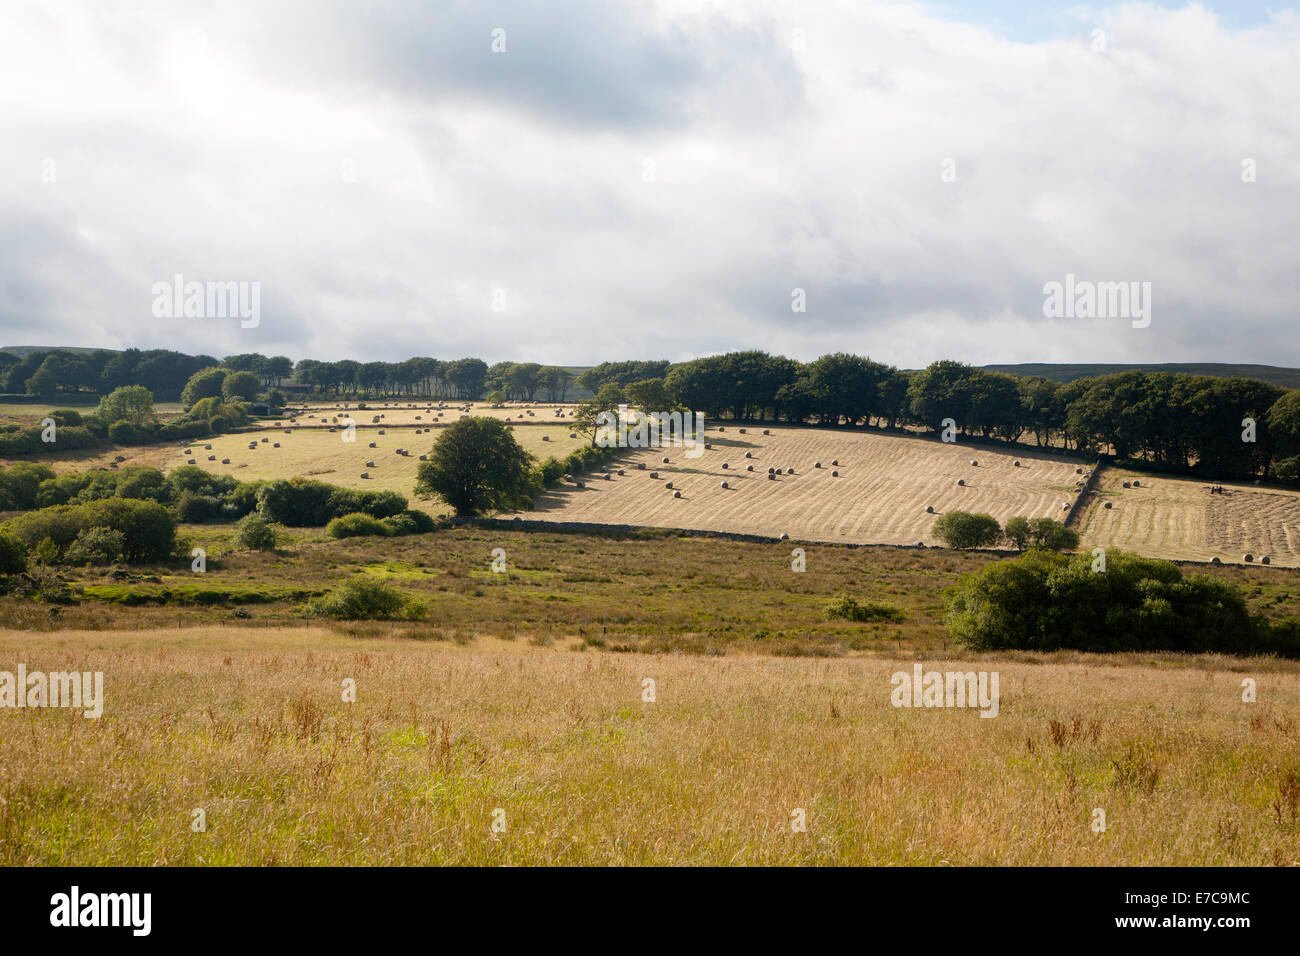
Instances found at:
x=1178 y=518
x=885 y=483
x=250 y=727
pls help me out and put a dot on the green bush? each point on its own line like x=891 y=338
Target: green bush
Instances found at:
x=13 y=554
x=128 y=433
x=66 y=416
x=849 y=608
x=197 y=508
x=255 y=534
x=961 y=529
x=19 y=484
x=96 y=546
x=148 y=529
x=1047 y=601
x=301 y=503
x=365 y=598
x=356 y=525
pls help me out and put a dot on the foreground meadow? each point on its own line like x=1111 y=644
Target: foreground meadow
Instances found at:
x=560 y=749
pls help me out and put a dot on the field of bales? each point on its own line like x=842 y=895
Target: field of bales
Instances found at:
x=317 y=452
x=504 y=753
x=870 y=488
x=1170 y=517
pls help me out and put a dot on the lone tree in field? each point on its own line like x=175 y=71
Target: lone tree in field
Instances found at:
x=477 y=466
x=961 y=529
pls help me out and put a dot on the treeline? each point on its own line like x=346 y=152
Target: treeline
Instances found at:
x=1218 y=427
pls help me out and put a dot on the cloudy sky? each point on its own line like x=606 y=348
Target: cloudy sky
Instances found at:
x=653 y=179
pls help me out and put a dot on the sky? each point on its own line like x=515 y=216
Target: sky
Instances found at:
x=581 y=181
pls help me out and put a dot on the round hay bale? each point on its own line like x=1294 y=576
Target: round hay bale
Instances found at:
x=1137 y=483
x=381 y=431
x=784 y=537
x=582 y=484
x=835 y=462
x=749 y=467
x=677 y=494
x=1108 y=505
x=789 y=471
x=640 y=466
x=424 y=458
x=1065 y=506
x=974 y=463
x=929 y=509
x=708 y=447
x=265 y=440
x=365 y=474
x=225 y=461
x=608 y=476
x=835 y=474
x=771 y=471
x=725 y=465
x=620 y=472
x=749 y=454
x=669 y=486
x=725 y=485
x=192 y=462
x=961 y=482
x=771 y=476
x=1215 y=560
x=742 y=431
x=372 y=445
x=654 y=474
x=370 y=464
x=276 y=445
x=186 y=452
x=665 y=459
x=207 y=448
x=1015 y=464
x=722 y=429
x=766 y=432
x=1248 y=558
x=817 y=464
x=1078 y=471
x=546 y=438
x=1128 y=484
x=573 y=434
x=1265 y=560
x=212 y=458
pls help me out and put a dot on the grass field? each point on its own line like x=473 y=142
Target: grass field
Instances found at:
x=1178 y=518
x=884 y=485
x=250 y=727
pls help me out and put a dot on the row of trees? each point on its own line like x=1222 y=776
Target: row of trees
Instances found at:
x=1220 y=427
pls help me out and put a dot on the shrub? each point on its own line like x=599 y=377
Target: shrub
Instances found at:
x=95 y=546
x=196 y=509
x=255 y=534
x=849 y=608
x=148 y=529
x=66 y=416
x=1047 y=601
x=127 y=433
x=961 y=529
x=477 y=466
x=13 y=554
x=551 y=471
x=355 y=525
x=240 y=385
x=365 y=598
x=301 y=503
x=19 y=484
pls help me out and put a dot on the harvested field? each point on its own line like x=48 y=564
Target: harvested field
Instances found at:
x=322 y=454
x=417 y=414
x=884 y=485
x=1178 y=518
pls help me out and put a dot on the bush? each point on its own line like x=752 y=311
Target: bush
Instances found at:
x=197 y=509
x=411 y=522
x=364 y=598
x=356 y=525
x=551 y=471
x=95 y=546
x=255 y=534
x=66 y=416
x=19 y=484
x=961 y=529
x=148 y=529
x=126 y=433
x=301 y=503
x=850 y=608
x=1046 y=601
x=477 y=466
x=1046 y=534
x=13 y=554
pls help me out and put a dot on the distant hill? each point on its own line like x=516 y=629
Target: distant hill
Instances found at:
x=1273 y=374
x=22 y=351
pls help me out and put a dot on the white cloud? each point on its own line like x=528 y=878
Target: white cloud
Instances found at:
x=381 y=177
